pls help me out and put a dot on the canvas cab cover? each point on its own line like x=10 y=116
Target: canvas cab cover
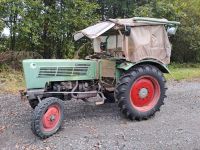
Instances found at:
x=148 y=37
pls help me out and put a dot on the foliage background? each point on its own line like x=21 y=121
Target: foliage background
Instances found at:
x=46 y=27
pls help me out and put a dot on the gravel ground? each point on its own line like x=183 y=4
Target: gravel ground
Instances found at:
x=176 y=126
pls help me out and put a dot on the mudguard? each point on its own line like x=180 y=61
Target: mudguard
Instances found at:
x=127 y=65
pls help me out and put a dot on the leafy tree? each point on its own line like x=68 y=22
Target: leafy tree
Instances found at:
x=1 y=26
x=49 y=25
x=187 y=43
x=46 y=26
x=10 y=14
x=115 y=8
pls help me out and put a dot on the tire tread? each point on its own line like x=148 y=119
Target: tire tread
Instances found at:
x=122 y=86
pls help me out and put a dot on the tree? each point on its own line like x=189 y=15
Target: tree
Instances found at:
x=115 y=8
x=49 y=25
x=187 y=45
x=10 y=14
x=46 y=26
x=1 y=26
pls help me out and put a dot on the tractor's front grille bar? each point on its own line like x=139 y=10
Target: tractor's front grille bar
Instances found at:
x=62 y=71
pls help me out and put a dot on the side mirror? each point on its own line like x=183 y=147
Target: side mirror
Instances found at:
x=171 y=31
x=127 y=31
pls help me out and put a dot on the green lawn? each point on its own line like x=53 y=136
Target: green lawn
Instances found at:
x=184 y=71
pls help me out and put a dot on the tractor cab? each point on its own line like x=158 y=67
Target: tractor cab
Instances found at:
x=132 y=39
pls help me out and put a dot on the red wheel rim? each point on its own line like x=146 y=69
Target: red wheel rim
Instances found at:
x=51 y=118
x=145 y=93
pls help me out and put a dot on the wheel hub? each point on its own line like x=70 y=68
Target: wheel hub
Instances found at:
x=51 y=117
x=143 y=93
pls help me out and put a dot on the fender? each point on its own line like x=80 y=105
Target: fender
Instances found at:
x=127 y=65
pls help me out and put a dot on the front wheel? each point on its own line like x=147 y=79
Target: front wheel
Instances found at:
x=141 y=92
x=48 y=117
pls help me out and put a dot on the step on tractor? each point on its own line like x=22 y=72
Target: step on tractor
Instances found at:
x=127 y=66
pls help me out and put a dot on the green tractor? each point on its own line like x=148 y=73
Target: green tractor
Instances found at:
x=127 y=67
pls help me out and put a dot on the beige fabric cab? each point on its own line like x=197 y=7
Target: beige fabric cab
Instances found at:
x=146 y=40
x=149 y=42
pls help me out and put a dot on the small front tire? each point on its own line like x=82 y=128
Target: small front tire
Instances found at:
x=47 y=118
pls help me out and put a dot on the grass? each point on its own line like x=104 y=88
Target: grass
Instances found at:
x=11 y=81
x=184 y=71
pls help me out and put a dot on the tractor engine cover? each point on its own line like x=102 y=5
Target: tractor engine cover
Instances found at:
x=38 y=72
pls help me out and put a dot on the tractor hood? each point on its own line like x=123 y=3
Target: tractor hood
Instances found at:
x=38 y=72
x=98 y=29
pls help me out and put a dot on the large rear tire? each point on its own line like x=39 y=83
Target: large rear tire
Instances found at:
x=47 y=118
x=141 y=92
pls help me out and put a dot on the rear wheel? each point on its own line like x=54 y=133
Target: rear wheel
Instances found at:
x=141 y=92
x=48 y=117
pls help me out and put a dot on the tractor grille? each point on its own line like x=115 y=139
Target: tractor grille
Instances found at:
x=62 y=71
